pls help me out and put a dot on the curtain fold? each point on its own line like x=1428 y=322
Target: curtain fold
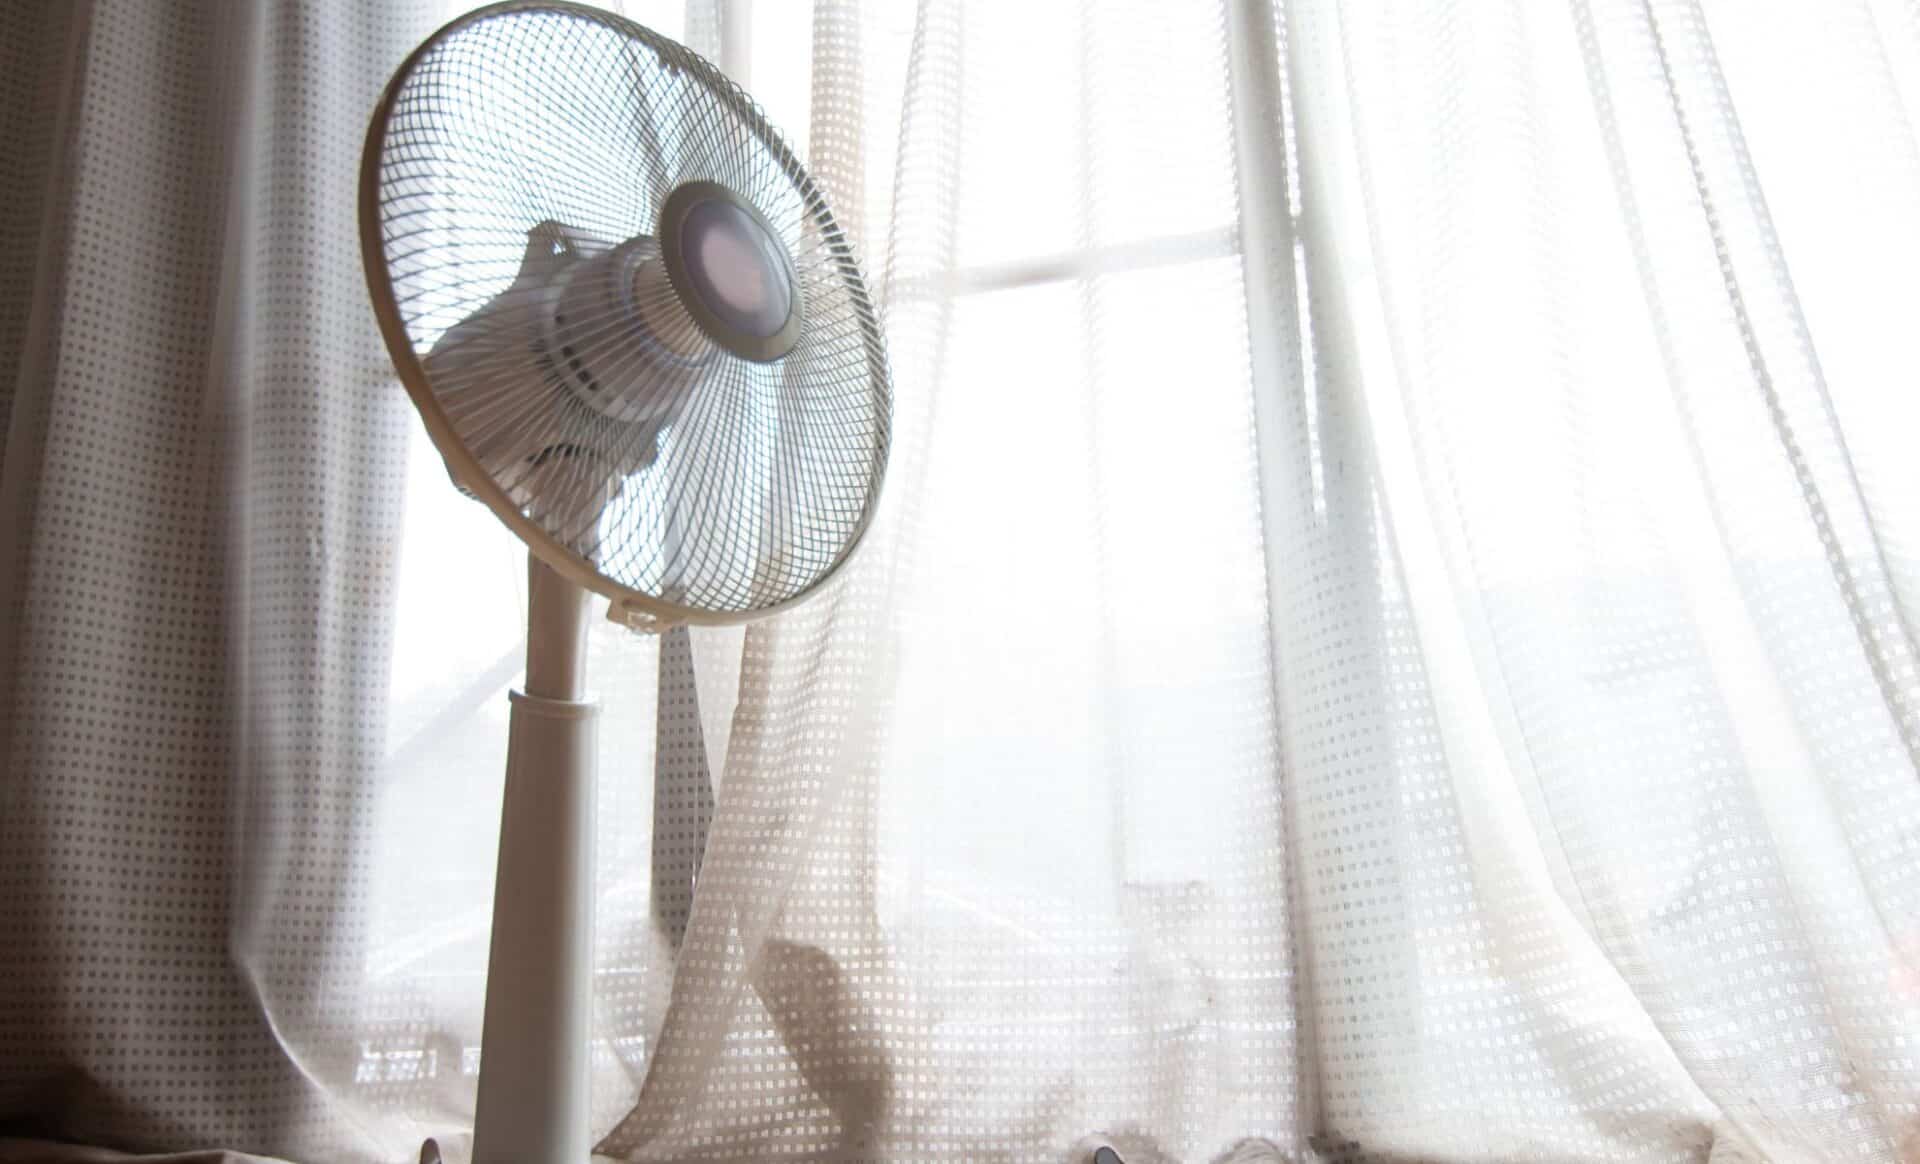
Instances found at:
x=1391 y=633
x=1589 y=651
x=199 y=578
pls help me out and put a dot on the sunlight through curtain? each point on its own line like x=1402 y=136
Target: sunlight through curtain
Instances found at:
x=1390 y=634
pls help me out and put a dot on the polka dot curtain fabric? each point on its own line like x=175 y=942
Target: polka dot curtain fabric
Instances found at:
x=1390 y=634
x=1503 y=750
x=201 y=509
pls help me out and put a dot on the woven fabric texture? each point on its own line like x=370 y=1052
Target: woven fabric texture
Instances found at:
x=1390 y=634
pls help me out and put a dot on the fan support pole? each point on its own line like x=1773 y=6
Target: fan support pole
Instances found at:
x=532 y=1106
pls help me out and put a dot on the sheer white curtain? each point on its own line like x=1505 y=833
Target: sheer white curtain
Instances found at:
x=1390 y=634
x=197 y=519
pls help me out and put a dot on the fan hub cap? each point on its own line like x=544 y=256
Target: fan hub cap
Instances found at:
x=732 y=273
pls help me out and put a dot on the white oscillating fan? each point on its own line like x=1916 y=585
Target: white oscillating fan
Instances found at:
x=635 y=330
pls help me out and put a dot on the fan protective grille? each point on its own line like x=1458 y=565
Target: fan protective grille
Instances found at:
x=512 y=191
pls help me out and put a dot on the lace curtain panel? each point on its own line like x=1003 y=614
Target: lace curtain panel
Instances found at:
x=1390 y=636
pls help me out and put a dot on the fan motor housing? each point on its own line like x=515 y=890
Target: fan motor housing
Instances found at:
x=618 y=335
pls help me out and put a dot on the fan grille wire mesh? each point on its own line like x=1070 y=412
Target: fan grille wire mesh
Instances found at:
x=562 y=128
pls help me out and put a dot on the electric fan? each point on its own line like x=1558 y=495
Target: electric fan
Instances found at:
x=635 y=330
